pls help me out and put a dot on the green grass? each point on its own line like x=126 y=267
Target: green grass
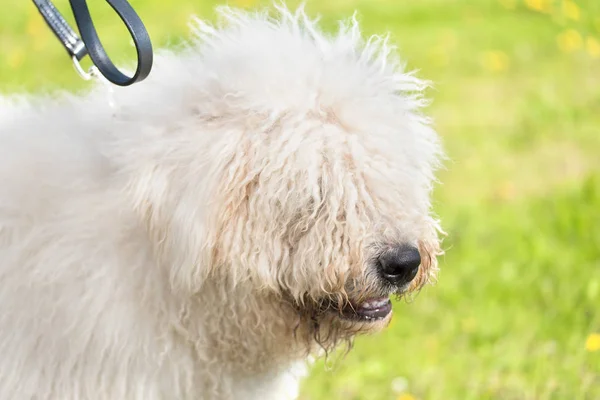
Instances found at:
x=517 y=102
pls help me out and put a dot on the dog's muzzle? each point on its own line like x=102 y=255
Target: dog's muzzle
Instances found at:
x=399 y=265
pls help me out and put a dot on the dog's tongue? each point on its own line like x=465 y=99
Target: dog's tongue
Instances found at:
x=374 y=308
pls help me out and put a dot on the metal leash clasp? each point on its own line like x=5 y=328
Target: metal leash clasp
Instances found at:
x=89 y=42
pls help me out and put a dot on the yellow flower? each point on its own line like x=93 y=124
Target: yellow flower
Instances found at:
x=35 y=26
x=538 y=5
x=507 y=191
x=406 y=396
x=37 y=30
x=495 y=61
x=592 y=46
x=568 y=41
x=570 y=10
x=593 y=342
x=448 y=39
x=16 y=58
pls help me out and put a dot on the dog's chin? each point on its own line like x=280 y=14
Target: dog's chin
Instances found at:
x=369 y=315
x=370 y=310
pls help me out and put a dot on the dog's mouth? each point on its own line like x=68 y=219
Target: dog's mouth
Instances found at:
x=370 y=310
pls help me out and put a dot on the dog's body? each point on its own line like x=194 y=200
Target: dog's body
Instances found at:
x=198 y=238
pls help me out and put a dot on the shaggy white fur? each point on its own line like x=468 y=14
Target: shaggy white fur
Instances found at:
x=202 y=237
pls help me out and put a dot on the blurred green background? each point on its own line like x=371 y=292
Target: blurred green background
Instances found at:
x=515 y=314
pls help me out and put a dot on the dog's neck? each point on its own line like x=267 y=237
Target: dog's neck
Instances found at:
x=247 y=332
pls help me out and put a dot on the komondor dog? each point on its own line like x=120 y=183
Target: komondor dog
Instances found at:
x=257 y=201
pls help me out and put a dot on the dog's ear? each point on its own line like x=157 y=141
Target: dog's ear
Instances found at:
x=173 y=218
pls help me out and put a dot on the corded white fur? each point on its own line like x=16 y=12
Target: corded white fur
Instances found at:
x=176 y=245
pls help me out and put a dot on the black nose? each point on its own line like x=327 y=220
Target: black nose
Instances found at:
x=400 y=264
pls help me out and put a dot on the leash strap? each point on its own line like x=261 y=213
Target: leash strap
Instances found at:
x=90 y=44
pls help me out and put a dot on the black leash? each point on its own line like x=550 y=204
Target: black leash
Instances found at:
x=89 y=43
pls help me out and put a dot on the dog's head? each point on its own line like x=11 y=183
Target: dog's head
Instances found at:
x=330 y=213
x=309 y=174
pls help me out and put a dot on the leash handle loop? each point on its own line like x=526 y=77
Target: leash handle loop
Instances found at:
x=90 y=44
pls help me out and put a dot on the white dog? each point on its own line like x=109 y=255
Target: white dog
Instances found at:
x=255 y=201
